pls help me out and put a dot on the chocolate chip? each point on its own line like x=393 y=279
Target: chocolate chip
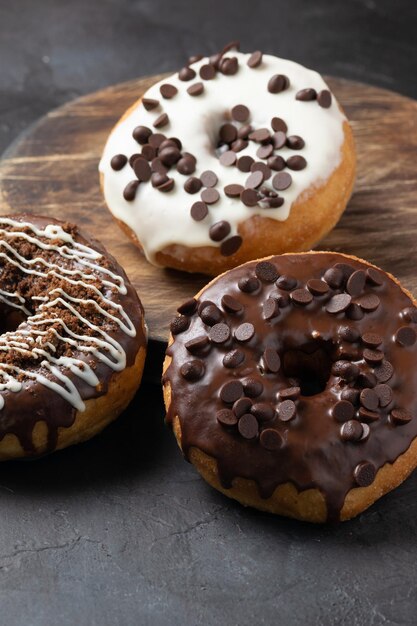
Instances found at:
x=400 y=417
x=279 y=140
x=231 y=304
x=228 y=133
x=278 y=83
x=118 y=162
x=306 y=94
x=324 y=98
x=266 y=271
x=263 y=411
x=270 y=308
x=188 y=307
x=333 y=277
x=374 y=357
x=248 y=426
x=149 y=152
x=231 y=391
x=405 y=336
x=261 y=135
x=373 y=340
x=219 y=230
x=276 y=163
x=169 y=155
x=210 y=314
x=228 y=158
x=141 y=134
x=168 y=91
x=219 y=333
x=301 y=296
x=244 y=163
x=249 y=284
x=346 y=370
x=296 y=162
x=239 y=144
x=343 y=411
x=263 y=152
x=354 y=312
x=192 y=185
x=233 y=190
x=254 y=180
x=156 y=140
x=255 y=59
x=199 y=211
x=374 y=277
x=253 y=388
x=233 y=358
x=167 y=186
x=244 y=131
x=369 y=399
x=286 y=282
x=286 y=410
x=281 y=181
x=186 y=73
x=229 y=66
x=192 y=370
x=209 y=178
x=338 y=303
x=142 y=169
x=194 y=58
x=161 y=121
x=384 y=371
x=356 y=283
x=158 y=179
x=150 y=103
x=240 y=113
x=351 y=431
x=130 y=190
x=198 y=345
x=261 y=167
x=364 y=474
x=226 y=417
x=196 y=89
x=242 y=406
x=271 y=360
x=270 y=439
x=231 y=245
x=179 y=324
x=369 y=302
x=277 y=124
x=384 y=393
x=351 y=395
x=158 y=167
x=244 y=332
x=210 y=195
x=290 y=393
x=366 y=379
x=317 y=287
x=215 y=59
x=295 y=142
x=368 y=416
x=249 y=197
x=410 y=314
x=207 y=71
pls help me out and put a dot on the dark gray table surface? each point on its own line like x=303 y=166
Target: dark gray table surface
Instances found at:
x=121 y=530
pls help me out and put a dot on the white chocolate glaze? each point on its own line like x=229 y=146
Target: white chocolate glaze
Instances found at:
x=26 y=339
x=160 y=219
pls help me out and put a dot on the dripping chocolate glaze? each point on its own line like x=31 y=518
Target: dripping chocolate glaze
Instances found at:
x=313 y=455
x=35 y=401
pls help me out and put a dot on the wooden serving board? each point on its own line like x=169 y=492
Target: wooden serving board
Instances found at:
x=52 y=170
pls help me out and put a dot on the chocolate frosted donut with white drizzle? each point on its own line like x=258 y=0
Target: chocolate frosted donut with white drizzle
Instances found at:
x=73 y=340
x=236 y=156
x=291 y=384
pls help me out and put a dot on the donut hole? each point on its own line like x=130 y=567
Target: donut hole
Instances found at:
x=309 y=365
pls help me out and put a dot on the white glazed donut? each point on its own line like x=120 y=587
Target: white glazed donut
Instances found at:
x=182 y=210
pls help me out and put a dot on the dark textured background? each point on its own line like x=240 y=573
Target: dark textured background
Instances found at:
x=120 y=530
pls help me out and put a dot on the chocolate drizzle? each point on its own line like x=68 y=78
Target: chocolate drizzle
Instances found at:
x=316 y=345
x=70 y=318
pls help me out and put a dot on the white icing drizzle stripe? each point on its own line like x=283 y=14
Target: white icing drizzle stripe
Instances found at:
x=103 y=348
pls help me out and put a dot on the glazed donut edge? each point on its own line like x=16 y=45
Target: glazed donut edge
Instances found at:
x=287 y=500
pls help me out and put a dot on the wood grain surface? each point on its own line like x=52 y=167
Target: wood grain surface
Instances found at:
x=52 y=170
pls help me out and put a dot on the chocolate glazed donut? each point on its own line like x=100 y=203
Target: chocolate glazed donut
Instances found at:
x=73 y=340
x=291 y=384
